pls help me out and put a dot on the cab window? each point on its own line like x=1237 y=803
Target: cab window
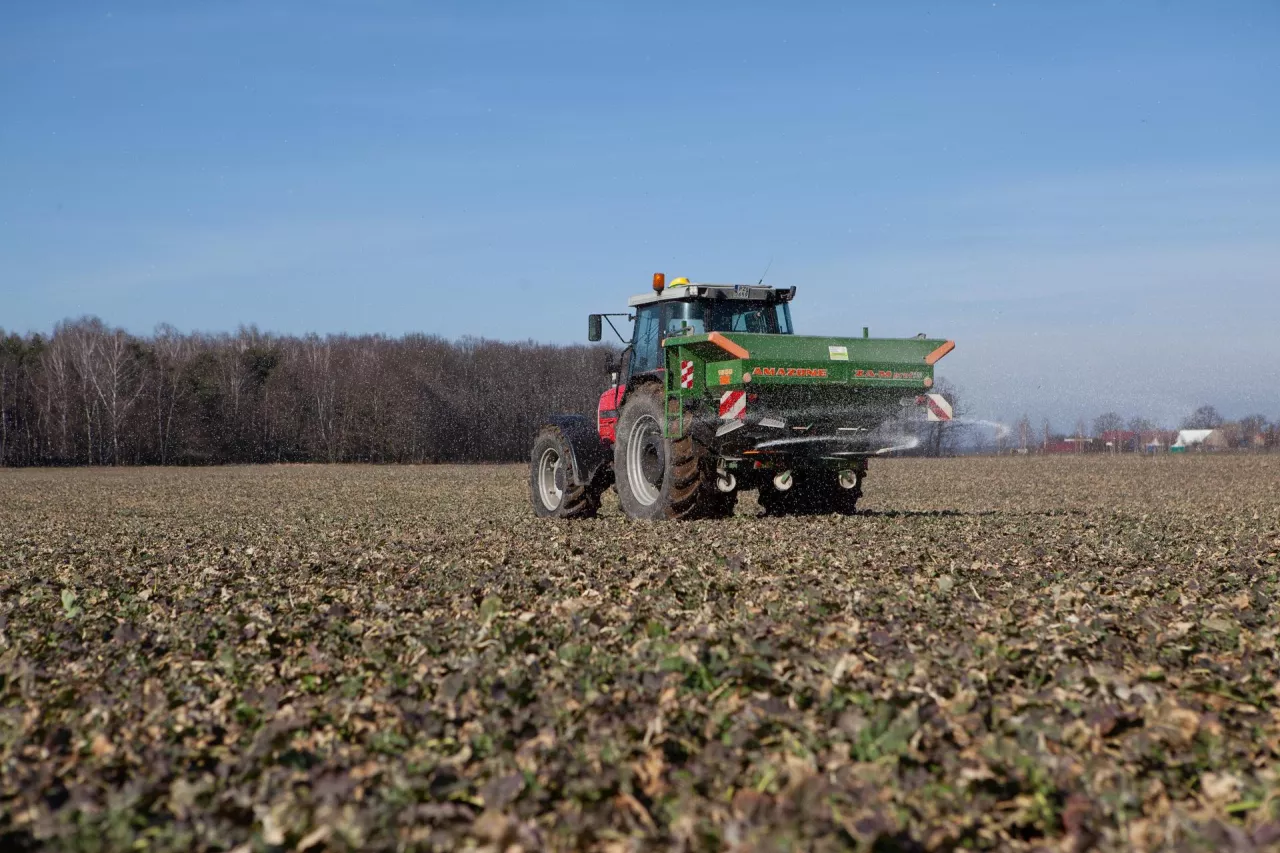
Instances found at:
x=645 y=353
x=759 y=317
x=783 y=315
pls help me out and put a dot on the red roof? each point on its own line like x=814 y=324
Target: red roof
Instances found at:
x=1062 y=447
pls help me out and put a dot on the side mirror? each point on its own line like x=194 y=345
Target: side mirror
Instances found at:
x=593 y=327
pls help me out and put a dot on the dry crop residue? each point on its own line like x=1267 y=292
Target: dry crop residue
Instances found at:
x=997 y=653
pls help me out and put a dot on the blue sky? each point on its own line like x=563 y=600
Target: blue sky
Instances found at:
x=1086 y=196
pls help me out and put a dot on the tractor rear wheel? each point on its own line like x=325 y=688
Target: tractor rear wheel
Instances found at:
x=552 y=486
x=660 y=478
x=693 y=491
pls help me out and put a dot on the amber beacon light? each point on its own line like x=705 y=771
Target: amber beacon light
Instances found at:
x=659 y=281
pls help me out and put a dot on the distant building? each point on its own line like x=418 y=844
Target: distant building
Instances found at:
x=1119 y=441
x=1073 y=444
x=1199 y=439
x=1157 y=440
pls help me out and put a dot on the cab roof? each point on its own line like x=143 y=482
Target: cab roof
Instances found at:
x=697 y=290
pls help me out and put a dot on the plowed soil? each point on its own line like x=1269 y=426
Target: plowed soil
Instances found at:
x=995 y=653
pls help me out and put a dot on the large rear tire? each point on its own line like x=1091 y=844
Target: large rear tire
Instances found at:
x=640 y=454
x=660 y=478
x=693 y=493
x=553 y=489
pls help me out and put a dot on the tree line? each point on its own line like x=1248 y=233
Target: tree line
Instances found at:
x=1252 y=432
x=89 y=394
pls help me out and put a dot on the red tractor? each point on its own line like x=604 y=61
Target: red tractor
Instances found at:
x=716 y=394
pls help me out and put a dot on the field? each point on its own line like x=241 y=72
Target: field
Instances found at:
x=997 y=653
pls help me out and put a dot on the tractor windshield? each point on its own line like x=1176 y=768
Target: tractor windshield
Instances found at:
x=658 y=321
x=772 y=318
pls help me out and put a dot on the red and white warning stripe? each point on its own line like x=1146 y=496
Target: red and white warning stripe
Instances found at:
x=733 y=404
x=938 y=409
x=686 y=374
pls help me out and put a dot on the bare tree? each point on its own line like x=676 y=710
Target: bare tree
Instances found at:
x=1141 y=425
x=55 y=393
x=116 y=376
x=323 y=392
x=1023 y=430
x=1251 y=427
x=8 y=371
x=11 y=348
x=1205 y=417
x=1107 y=422
x=85 y=338
x=170 y=351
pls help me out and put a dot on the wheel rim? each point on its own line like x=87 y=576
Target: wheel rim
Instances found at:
x=549 y=491
x=645 y=462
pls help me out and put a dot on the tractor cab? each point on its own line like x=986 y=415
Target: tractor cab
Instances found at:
x=689 y=308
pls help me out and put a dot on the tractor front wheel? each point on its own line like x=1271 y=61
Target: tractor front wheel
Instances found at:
x=553 y=488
